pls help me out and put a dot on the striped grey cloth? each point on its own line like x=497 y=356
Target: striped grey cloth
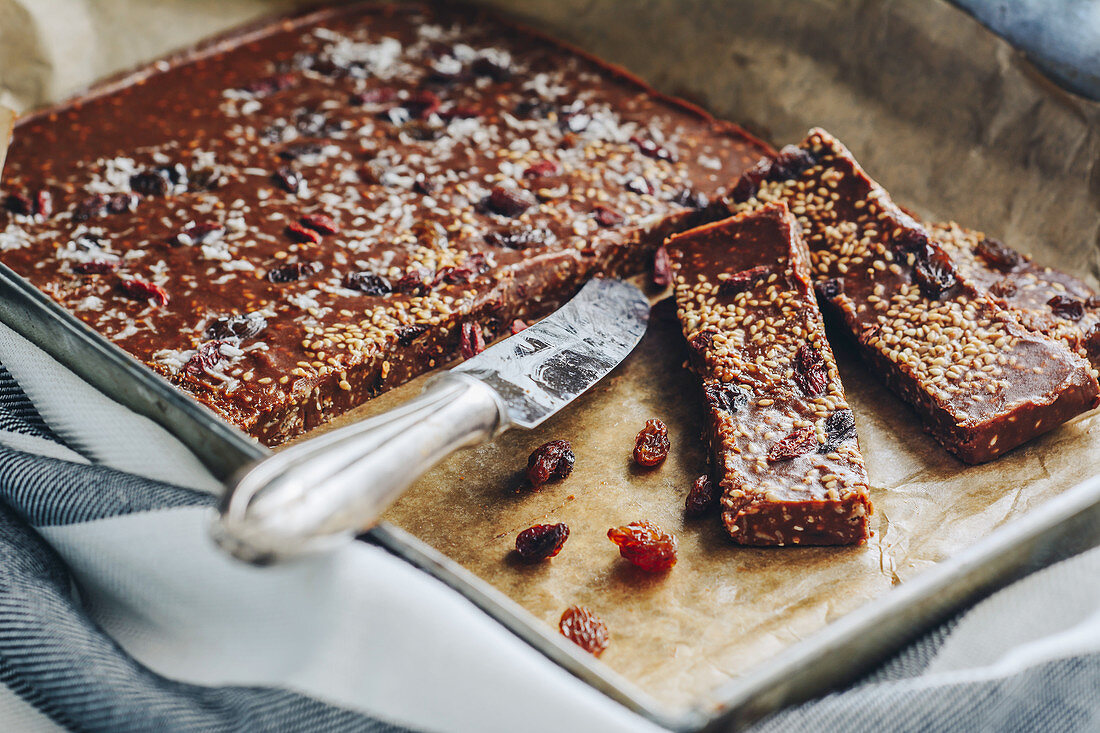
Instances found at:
x=116 y=613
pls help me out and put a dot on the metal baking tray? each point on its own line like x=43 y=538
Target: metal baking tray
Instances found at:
x=837 y=654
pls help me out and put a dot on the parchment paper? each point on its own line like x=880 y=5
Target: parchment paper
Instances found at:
x=950 y=119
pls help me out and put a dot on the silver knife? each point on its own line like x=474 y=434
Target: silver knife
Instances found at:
x=323 y=491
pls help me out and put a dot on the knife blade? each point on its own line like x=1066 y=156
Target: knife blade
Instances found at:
x=321 y=492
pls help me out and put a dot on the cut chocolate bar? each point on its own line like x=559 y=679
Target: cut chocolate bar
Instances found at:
x=782 y=436
x=982 y=382
x=290 y=220
x=1045 y=300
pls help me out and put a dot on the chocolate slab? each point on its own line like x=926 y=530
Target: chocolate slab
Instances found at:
x=287 y=223
x=1043 y=299
x=981 y=381
x=781 y=434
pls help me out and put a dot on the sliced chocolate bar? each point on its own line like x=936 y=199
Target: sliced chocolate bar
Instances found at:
x=981 y=381
x=782 y=436
x=1045 y=300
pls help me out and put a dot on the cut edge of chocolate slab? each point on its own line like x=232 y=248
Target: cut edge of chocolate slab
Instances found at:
x=1056 y=387
x=819 y=496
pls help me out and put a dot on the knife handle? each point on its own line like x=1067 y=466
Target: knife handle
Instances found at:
x=327 y=489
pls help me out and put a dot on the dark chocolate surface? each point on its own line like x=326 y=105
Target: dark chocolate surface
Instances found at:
x=981 y=381
x=749 y=314
x=288 y=225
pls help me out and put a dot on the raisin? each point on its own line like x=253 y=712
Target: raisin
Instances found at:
x=517 y=326
x=290 y=273
x=471 y=341
x=141 y=290
x=541 y=542
x=997 y=254
x=662 y=267
x=288 y=179
x=1003 y=288
x=702 y=340
x=302 y=234
x=651 y=446
x=640 y=185
x=414 y=282
x=95 y=267
x=829 y=289
x=407 y=334
x=551 y=461
x=509 y=201
x=645 y=545
x=1066 y=307
x=120 y=202
x=701 y=497
x=541 y=169
x=200 y=233
x=749 y=183
x=809 y=370
x=207 y=357
x=367 y=282
x=20 y=204
x=585 y=629
x=454 y=275
x=90 y=207
x=320 y=223
x=839 y=427
x=244 y=326
x=606 y=216
x=799 y=442
x=791 y=162
x=935 y=272
x=150 y=183
x=726 y=397
x=743 y=280
x=651 y=149
x=518 y=238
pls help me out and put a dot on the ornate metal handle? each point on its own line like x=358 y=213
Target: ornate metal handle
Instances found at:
x=336 y=485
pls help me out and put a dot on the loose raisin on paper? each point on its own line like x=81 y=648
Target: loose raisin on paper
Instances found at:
x=645 y=545
x=651 y=446
x=585 y=629
x=541 y=542
x=553 y=460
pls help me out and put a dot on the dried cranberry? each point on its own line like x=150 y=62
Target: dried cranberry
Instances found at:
x=320 y=223
x=43 y=204
x=606 y=216
x=200 y=233
x=249 y=325
x=541 y=542
x=518 y=237
x=407 y=334
x=799 y=442
x=997 y=254
x=471 y=340
x=141 y=290
x=367 y=282
x=645 y=545
x=651 y=446
x=303 y=234
x=726 y=397
x=743 y=280
x=640 y=185
x=541 y=169
x=517 y=326
x=662 y=267
x=378 y=95
x=96 y=267
x=810 y=372
x=839 y=427
x=829 y=289
x=414 y=282
x=651 y=149
x=290 y=273
x=551 y=461
x=791 y=162
x=1066 y=307
x=270 y=84
x=207 y=357
x=510 y=201
x=701 y=497
x=288 y=179
x=585 y=629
